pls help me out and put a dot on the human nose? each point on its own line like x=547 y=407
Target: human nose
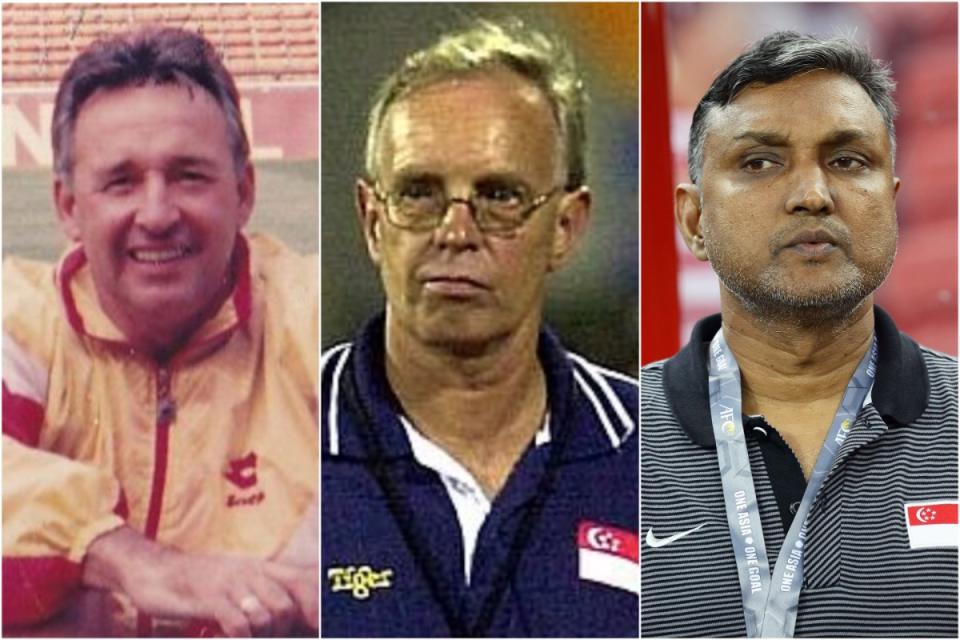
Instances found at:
x=157 y=211
x=458 y=228
x=810 y=193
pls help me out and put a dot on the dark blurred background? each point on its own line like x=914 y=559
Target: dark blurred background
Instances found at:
x=593 y=301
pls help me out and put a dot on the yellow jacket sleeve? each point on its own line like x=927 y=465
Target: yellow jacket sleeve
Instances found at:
x=53 y=508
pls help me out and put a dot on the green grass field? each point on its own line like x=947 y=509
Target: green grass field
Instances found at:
x=287 y=201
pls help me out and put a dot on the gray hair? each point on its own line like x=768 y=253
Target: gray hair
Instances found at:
x=483 y=46
x=150 y=55
x=781 y=56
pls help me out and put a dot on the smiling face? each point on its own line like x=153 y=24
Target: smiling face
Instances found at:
x=156 y=202
x=486 y=133
x=797 y=215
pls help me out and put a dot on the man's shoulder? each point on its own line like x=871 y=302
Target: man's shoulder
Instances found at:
x=623 y=384
x=23 y=275
x=937 y=361
x=29 y=292
x=653 y=370
x=942 y=378
x=279 y=266
x=610 y=398
x=332 y=363
x=333 y=358
x=32 y=317
x=288 y=284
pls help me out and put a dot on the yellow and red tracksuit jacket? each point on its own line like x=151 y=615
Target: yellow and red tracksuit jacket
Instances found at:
x=213 y=451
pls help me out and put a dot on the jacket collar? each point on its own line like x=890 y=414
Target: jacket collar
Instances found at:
x=571 y=416
x=87 y=318
x=900 y=391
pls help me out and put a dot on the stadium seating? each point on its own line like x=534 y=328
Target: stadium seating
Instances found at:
x=258 y=42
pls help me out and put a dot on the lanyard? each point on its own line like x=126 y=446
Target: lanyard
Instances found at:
x=770 y=603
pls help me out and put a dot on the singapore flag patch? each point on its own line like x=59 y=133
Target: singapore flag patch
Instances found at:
x=609 y=555
x=931 y=524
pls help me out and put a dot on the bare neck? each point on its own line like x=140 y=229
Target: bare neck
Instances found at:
x=781 y=361
x=796 y=376
x=482 y=409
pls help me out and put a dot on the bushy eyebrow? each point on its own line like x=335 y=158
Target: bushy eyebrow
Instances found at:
x=177 y=162
x=835 y=138
x=844 y=136
x=192 y=162
x=764 y=137
x=406 y=176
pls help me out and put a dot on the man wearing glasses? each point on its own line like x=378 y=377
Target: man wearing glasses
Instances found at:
x=477 y=478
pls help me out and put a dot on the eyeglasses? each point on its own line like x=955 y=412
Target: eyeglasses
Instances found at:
x=495 y=207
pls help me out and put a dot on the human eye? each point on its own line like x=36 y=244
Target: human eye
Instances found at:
x=190 y=176
x=502 y=194
x=759 y=164
x=117 y=184
x=193 y=176
x=849 y=162
x=417 y=190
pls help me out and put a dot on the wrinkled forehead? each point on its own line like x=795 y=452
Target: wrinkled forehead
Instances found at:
x=807 y=108
x=467 y=117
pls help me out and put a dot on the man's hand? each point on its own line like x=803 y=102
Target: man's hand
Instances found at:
x=302 y=583
x=245 y=596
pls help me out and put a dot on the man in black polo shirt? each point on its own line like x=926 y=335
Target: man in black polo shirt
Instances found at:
x=800 y=453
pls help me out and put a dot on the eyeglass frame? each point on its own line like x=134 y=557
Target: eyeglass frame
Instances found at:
x=523 y=218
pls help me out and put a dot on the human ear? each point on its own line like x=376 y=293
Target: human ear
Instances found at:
x=369 y=215
x=688 y=213
x=65 y=203
x=247 y=191
x=573 y=217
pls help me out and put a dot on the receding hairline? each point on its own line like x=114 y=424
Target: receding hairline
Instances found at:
x=528 y=91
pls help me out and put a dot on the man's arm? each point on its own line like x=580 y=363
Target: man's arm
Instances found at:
x=245 y=596
x=52 y=508
x=303 y=550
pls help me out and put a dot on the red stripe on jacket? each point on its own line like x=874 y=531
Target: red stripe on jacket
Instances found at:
x=36 y=588
x=22 y=417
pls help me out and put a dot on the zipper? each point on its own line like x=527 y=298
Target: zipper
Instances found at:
x=166 y=412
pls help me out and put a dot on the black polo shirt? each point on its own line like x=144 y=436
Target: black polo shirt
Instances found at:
x=863 y=575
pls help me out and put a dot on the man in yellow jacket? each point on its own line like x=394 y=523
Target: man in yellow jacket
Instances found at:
x=159 y=382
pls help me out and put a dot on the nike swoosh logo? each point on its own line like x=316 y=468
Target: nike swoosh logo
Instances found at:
x=656 y=542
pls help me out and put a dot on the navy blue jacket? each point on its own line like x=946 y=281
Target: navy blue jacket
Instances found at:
x=534 y=546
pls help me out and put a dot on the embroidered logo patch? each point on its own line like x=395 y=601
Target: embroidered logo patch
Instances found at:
x=360 y=581
x=242 y=473
x=931 y=524
x=608 y=555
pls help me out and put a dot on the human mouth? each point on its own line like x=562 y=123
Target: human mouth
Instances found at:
x=813 y=243
x=159 y=256
x=454 y=286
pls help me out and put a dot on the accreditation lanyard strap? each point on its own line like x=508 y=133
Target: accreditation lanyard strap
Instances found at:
x=769 y=604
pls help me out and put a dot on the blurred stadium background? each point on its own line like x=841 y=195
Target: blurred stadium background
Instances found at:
x=593 y=302
x=685 y=45
x=272 y=52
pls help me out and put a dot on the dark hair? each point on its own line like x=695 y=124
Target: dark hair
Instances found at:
x=152 y=55
x=780 y=56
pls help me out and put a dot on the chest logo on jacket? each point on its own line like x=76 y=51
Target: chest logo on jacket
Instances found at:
x=359 y=581
x=931 y=524
x=242 y=473
x=608 y=555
